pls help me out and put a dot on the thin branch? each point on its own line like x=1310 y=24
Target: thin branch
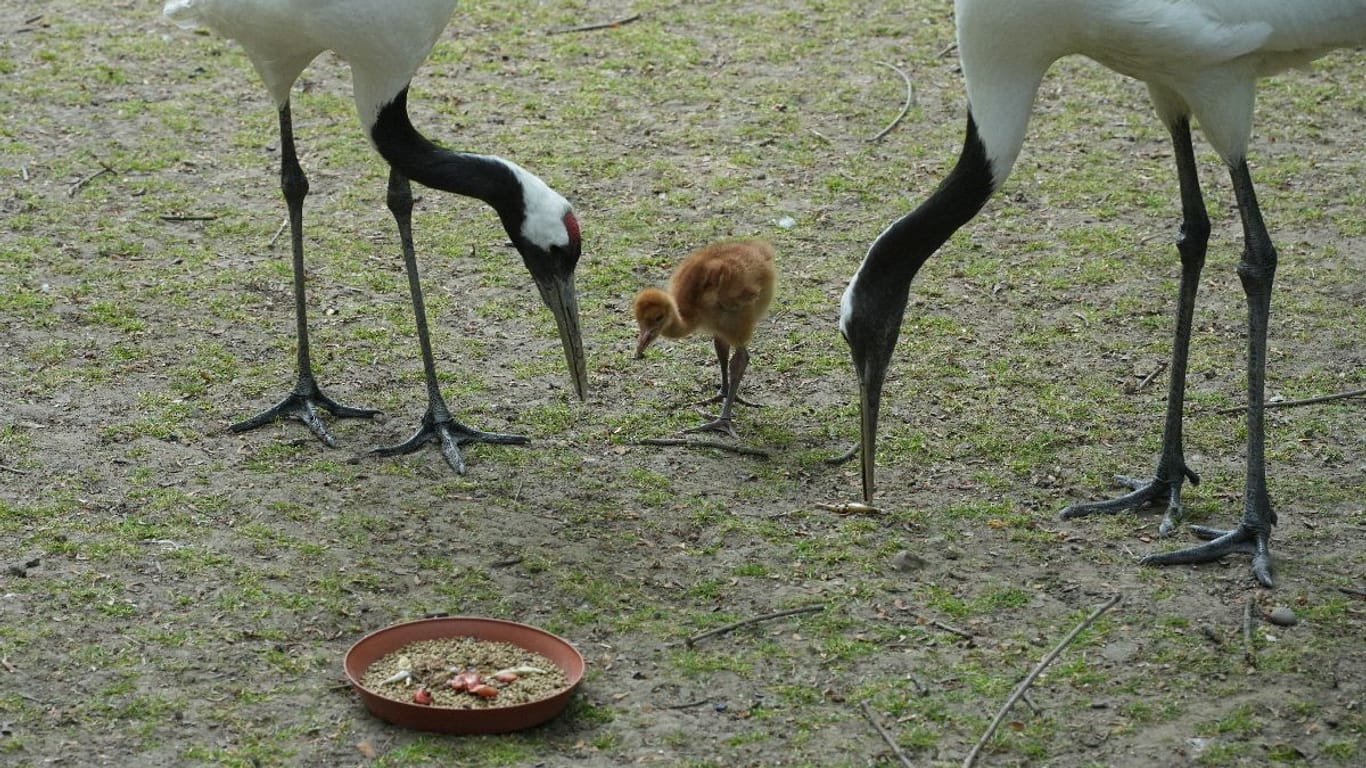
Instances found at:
x=946 y=627
x=1249 y=650
x=15 y=470
x=679 y=441
x=887 y=737
x=1029 y=679
x=1292 y=403
x=187 y=218
x=1162 y=366
x=596 y=25
x=276 y=237
x=906 y=107
x=843 y=458
x=690 y=642
x=104 y=169
x=1359 y=594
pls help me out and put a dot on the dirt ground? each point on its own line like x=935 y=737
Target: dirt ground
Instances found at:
x=177 y=594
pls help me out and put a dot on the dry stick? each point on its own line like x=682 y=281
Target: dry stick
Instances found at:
x=15 y=470
x=1357 y=593
x=276 y=237
x=104 y=169
x=946 y=627
x=1149 y=378
x=1029 y=679
x=887 y=737
x=596 y=25
x=1290 y=403
x=910 y=99
x=171 y=217
x=755 y=620
x=1249 y=652
x=676 y=441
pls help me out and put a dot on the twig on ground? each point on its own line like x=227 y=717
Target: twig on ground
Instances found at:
x=1029 y=679
x=923 y=619
x=104 y=169
x=690 y=642
x=1359 y=594
x=276 y=237
x=15 y=470
x=906 y=107
x=1292 y=403
x=688 y=705
x=835 y=461
x=886 y=737
x=1249 y=650
x=851 y=508
x=506 y=562
x=679 y=441
x=1162 y=366
x=596 y=25
x=171 y=217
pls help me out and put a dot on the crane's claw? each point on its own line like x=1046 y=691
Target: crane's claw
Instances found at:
x=449 y=434
x=1243 y=540
x=302 y=404
x=720 y=397
x=722 y=425
x=1142 y=493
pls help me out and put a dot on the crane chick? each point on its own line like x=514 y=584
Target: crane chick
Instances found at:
x=725 y=289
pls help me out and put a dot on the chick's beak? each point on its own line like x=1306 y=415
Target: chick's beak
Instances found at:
x=646 y=337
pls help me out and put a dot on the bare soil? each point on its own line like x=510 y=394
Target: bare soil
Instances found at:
x=177 y=594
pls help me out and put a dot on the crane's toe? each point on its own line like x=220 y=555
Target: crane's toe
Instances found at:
x=449 y=434
x=303 y=403
x=721 y=425
x=1243 y=540
x=1143 y=492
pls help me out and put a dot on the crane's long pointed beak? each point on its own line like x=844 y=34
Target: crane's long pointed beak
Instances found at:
x=869 y=398
x=558 y=294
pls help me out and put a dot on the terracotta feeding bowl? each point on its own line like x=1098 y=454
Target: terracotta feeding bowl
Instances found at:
x=407 y=714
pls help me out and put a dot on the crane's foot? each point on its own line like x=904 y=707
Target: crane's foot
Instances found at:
x=303 y=404
x=722 y=425
x=720 y=397
x=1243 y=540
x=449 y=434
x=1143 y=493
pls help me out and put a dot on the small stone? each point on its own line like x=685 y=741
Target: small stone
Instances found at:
x=1283 y=617
x=906 y=562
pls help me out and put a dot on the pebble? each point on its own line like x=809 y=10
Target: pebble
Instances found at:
x=905 y=561
x=1283 y=617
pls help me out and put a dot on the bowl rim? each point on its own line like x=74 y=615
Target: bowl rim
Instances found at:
x=494 y=719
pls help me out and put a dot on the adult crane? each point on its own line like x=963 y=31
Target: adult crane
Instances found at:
x=384 y=43
x=1201 y=60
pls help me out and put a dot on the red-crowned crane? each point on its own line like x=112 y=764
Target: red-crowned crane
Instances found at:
x=1200 y=59
x=384 y=43
x=725 y=289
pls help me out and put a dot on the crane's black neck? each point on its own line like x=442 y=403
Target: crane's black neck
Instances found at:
x=899 y=252
x=413 y=155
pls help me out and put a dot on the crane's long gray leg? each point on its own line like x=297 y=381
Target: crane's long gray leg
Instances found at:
x=722 y=423
x=437 y=425
x=307 y=396
x=1257 y=271
x=722 y=355
x=1172 y=471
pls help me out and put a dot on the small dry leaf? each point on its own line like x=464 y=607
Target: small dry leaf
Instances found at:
x=367 y=750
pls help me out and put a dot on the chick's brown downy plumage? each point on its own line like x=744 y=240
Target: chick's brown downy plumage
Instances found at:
x=724 y=289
